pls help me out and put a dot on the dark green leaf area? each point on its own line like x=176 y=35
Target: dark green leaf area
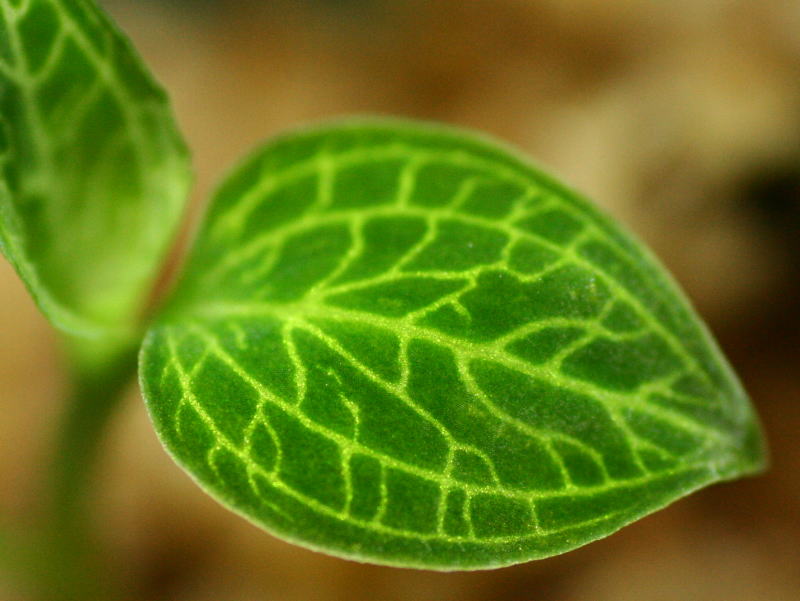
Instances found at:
x=458 y=247
x=654 y=428
x=516 y=460
x=39 y=29
x=622 y=318
x=367 y=184
x=376 y=348
x=555 y=512
x=649 y=286
x=284 y=204
x=455 y=521
x=398 y=297
x=530 y=257
x=412 y=348
x=623 y=364
x=382 y=419
x=412 y=502
x=582 y=466
x=498 y=515
x=556 y=226
x=542 y=345
x=365 y=472
x=312 y=464
x=568 y=292
x=386 y=240
x=557 y=410
x=237 y=412
x=95 y=170
x=305 y=258
x=471 y=467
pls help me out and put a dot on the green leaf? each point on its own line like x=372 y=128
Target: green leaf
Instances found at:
x=93 y=174
x=403 y=344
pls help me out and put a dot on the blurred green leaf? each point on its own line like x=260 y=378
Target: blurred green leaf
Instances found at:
x=94 y=174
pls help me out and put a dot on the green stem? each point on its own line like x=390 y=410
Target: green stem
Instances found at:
x=72 y=562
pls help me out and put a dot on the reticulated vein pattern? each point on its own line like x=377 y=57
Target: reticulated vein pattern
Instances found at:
x=93 y=174
x=407 y=346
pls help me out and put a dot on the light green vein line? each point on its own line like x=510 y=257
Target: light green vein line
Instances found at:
x=300 y=373
x=342 y=441
x=547 y=202
x=228 y=224
x=664 y=388
x=265 y=246
x=53 y=57
x=189 y=398
x=467 y=349
x=183 y=379
x=8 y=72
x=408 y=178
x=374 y=525
x=429 y=215
x=355 y=229
x=28 y=102
x=535 y=522
x=543 y=435
x=431 y=232
x=465 y=190
x=547 y=443
x=469 y=277
x=211 y=460
x=109 y=76
x=78 y=112
x=496 y=171
x=441 y=510
x=467 y=515
x=347 y=477
x=261 y=419
x=471 y=274
x=405 y=365
x=239 y=213
x=383 y=503
x=352 y=408
x=17 y=13
x=400 y=391
x=448 y=299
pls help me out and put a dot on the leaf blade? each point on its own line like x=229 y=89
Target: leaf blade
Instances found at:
x=95 y=172
x=485 y=410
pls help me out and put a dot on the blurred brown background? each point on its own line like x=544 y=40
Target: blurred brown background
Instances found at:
x=681 y=118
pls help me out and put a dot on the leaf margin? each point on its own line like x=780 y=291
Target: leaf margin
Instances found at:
x=753 y=446
x=177 y=160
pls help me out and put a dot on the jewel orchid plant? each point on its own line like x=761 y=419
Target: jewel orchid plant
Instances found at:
x=391 y=341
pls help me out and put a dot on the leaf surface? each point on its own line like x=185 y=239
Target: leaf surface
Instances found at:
x=93 y=174
x=403 y=344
